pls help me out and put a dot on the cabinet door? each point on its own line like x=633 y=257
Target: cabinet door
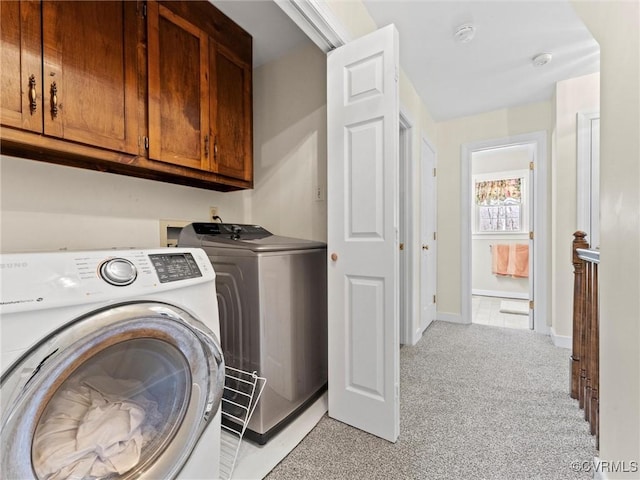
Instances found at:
x=21 y=72
x=90 y=72
x=231 y=119
x=178 y=89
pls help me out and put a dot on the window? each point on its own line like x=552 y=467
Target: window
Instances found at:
x=499 y=202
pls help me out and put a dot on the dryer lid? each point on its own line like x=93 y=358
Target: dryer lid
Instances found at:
x=241 y=236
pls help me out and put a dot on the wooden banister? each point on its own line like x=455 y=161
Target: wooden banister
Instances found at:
x=585 y=379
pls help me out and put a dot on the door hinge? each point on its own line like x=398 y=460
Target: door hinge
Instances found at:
x=530 y=304
x=530 y=235
x=434 y=171
x=434 y=299
x=143 y=10
x=435 y=236
x=530 y=165
x=401 y=246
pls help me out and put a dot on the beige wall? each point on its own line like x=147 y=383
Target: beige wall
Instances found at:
x=50 y=207
x=571 y=97
x=616 y=26
x=450 y=138
x=353 y=15
x=290 y=145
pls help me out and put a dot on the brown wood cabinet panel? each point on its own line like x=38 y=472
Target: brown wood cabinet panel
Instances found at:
x=21 y=71
x=155 y=97
x=231 y=107
x=178 y=89
x=90 y=72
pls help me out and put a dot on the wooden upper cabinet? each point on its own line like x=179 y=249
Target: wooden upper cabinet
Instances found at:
x=156 y=89
x=231 y=114
x=178 y=69
x=90 y=73
x=21 y=71
x=200 y=89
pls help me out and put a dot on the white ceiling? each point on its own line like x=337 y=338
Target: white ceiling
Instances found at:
x=492 y=71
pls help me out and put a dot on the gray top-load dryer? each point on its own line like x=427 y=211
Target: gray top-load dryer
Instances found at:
x=272 y=298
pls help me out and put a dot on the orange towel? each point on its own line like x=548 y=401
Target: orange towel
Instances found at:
x=510 y=259
x=499 y=259
x=521 y=261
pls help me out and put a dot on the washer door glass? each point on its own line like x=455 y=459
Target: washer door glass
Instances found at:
x=124 y=392
x=117 y=411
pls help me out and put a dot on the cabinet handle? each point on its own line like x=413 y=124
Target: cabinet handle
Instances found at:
x=215 y=149
x=54 y=100
x=206 y=146
x=32 y=94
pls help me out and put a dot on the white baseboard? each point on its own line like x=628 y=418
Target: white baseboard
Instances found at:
x=561 y=340
x=450 y=317
x=496 y=293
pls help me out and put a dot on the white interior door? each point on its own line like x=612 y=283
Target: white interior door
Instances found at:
x=362 y=200
x=428 y=268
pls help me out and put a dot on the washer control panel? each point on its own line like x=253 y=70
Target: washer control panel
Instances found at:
x=171 y=267
x=119 y=272
x=35 y=281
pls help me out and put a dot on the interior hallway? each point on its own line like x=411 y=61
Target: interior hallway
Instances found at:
x=475 y=402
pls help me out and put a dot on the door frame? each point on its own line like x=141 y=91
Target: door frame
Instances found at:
x=539 y=222
x=407 y=268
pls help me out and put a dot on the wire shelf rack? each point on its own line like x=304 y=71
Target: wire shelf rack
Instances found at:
x=241 y=394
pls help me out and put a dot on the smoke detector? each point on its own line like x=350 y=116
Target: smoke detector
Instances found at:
x=464 y=33
x=541 y=59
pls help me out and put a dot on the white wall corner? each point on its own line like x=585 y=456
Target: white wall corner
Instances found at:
x=561 y=341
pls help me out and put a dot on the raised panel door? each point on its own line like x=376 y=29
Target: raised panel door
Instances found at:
x=362 y=233
x=178 y=90
x=21 y=72
x=90 y=73
x=231 y=114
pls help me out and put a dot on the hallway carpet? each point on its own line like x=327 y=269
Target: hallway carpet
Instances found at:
x=477 y=402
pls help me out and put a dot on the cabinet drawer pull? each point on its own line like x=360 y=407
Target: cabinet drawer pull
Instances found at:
x=54 y=100
x=32 y=94
x=215 y=149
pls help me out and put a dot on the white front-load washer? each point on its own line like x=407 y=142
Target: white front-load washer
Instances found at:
x=111 y=365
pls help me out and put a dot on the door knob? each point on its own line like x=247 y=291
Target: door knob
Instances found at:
x=334 y=257
x=425 y=247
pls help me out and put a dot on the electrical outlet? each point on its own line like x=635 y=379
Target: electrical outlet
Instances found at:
x=213 y=212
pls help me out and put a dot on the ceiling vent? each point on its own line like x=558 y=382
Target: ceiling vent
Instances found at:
x=464 y=33
x=541 y=59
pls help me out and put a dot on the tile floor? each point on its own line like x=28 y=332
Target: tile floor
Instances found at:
x=486 y=311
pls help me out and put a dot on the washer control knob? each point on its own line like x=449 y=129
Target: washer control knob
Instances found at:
x=118 y=272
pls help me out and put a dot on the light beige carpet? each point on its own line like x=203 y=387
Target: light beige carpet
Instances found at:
x=476 y=402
